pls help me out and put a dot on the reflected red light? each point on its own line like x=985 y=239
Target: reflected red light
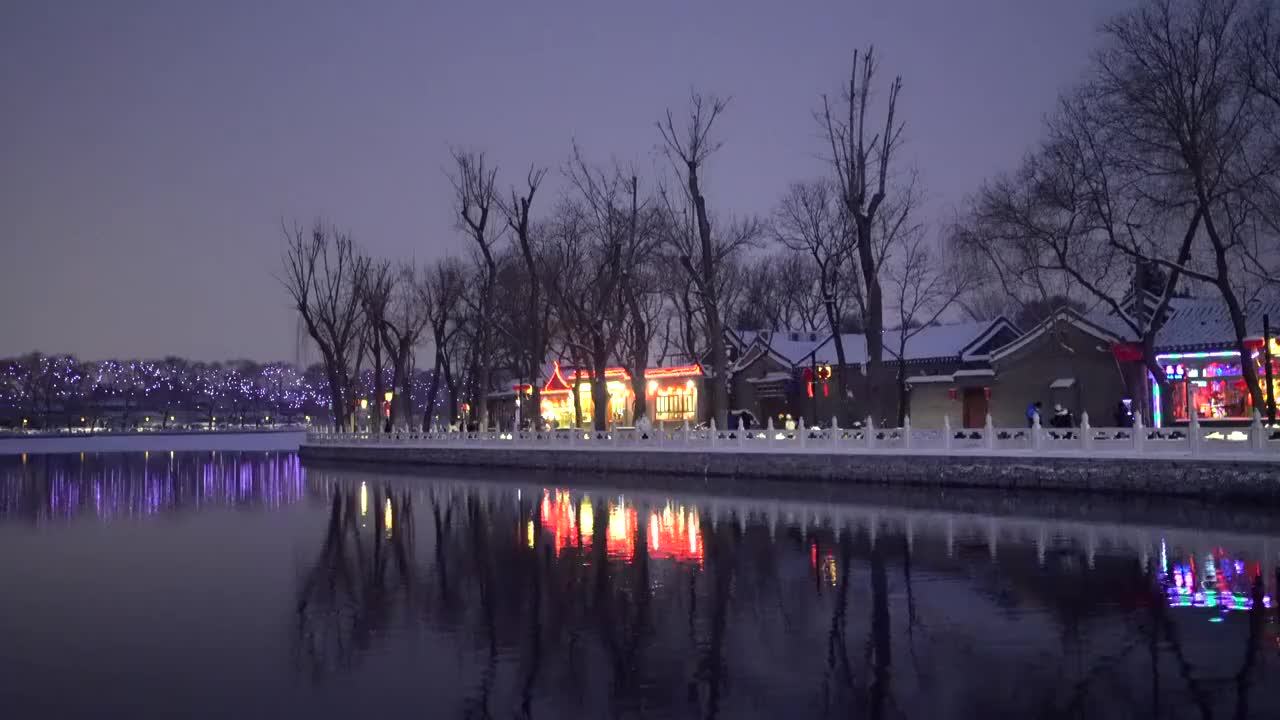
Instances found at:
x=675 y=534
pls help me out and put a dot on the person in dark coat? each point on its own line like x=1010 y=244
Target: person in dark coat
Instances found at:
x=1123 y=417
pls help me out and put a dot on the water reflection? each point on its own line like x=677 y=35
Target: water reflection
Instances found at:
x=44 y=488
x=380 y=595
x=561 y=602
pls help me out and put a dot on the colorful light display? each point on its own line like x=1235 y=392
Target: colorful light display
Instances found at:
x=1218 y=581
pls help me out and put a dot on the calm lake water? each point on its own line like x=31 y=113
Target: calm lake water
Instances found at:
x=242 y=585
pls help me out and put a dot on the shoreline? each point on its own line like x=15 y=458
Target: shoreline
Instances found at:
x=1218 y=479
x=177 y=441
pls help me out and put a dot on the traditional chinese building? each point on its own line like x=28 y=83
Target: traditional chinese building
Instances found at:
x=672 y=395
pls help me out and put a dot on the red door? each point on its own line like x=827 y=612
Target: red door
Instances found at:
x=975 y=407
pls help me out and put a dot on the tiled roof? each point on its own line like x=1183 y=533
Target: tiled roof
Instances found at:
x=935 y=341
x=1197 y=323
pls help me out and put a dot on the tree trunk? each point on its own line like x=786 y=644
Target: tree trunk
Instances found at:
x=711 y=304
x=1228 y=294
x=576 y=359
x=337 y=397
x=535 y=396
x=873 y=317
x=904 y=394
x=379 y=388
x=640 y=405
x=452 y=386
x=837 y=374
x=484 y=360
x=639 y=347
x=428 y=413
x=400 y=385
x=600 y=387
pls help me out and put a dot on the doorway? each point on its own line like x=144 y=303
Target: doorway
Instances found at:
x=975 y=407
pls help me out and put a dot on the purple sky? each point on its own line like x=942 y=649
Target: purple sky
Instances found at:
x=148 y=150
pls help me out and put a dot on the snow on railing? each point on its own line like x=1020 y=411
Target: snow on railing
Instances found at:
x=1192 y=440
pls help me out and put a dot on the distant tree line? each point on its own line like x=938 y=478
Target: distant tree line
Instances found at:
x=60 y=391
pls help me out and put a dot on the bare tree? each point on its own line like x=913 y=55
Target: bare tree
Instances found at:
x=1179 y=111
x=1063 y=227
x=923 y=285
x=809 y=220
x=475 y=198
x=639 y=289
x=536 y=330
x=595 y=237
x=323 y=274
x=404 y=321
x=441 y=295
x=862 y=158
x=375 y=294
x=688 y=148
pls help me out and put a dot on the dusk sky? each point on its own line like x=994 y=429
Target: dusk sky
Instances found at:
x=149 y=150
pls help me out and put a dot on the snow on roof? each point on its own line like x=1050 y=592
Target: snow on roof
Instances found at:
x=938 y=341
x=790 y=347
x=925 y=379
x=795 y=351
x=934 y=341
x=1207 y=322
x=779 y=376
x=1061 y=383
x=1195 y=323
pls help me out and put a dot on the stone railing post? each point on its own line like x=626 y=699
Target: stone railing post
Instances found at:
x=802 y=432
x=989 y=434
x=946 y=432
x=712 y=425
x=1193 y=431
x=869 y=429
x=906 y=432
x=1037 y=433
x=685 y=431
x=835 y=432
x=742 y=432
x=1086 y=433
x=662 y=432
x=1139 y=433
x=1257 y=436
x=768 y=436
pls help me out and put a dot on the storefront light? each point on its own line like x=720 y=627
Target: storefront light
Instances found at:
x=1197 y=355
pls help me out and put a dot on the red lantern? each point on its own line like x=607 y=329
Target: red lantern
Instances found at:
x=987 y=391
x=952 y=393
